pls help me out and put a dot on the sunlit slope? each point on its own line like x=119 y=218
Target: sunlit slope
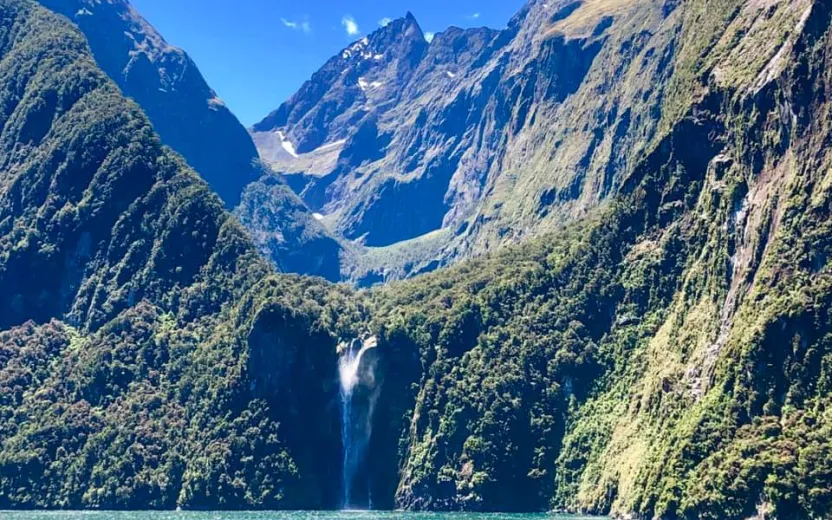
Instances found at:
x=148 y=353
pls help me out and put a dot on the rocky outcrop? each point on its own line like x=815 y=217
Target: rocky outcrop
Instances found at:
x=491 y=137
x=287 y=232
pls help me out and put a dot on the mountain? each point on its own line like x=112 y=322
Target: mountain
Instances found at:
x=192 y=120
x=659 y=348
x=342 y=119
x=167 y=84
x=481 y=138
x=665 y=352
x=668 y=356
x=147 y=351
x=365 y=77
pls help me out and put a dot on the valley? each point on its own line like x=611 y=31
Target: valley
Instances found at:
x=579 y=264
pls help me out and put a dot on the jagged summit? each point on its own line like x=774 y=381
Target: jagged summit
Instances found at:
x=349 y=113
x=409 y=22
x=365 y=75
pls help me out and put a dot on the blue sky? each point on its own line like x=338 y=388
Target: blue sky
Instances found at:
x=256 y=53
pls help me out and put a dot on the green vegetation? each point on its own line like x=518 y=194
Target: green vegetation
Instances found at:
x=669 y=355
x=150 y=352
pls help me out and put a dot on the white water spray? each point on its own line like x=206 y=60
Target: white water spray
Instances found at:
x=349 y=364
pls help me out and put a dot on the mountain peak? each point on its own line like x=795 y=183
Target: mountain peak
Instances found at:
x=362 y=79
x=407 y=26
x=409 y=19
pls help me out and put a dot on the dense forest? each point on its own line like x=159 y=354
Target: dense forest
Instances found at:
x=149 y=350
x=667 y=355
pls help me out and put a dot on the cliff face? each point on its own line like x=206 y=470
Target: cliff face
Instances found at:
x=669 y=356
x=148 y=353
x=488 y=138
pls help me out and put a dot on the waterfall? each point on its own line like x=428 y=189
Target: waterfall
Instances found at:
x=354 y=435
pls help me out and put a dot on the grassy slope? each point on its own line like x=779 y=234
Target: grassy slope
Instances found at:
x=672 y=357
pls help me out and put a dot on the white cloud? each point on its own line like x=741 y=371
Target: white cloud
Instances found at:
x=384 y=22
x=474 y=16
x=350 y=25
x=297 y=26
x=429 y=36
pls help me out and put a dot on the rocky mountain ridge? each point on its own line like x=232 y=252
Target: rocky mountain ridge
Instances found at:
x=163 y=79
x=194 y=121
x=496 y=136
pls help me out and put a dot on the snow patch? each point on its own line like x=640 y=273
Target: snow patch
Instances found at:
x=357 y=46
x=318 y=216
x=450 y=74
x=83 y=12
x=366 y=85
x=287 y=145
x=328 y=146
x=361 y=49
x=215 y=103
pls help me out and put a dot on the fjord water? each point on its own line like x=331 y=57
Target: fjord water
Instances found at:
x=282 y=515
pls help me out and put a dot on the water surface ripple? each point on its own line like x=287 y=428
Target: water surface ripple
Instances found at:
x=275 y=515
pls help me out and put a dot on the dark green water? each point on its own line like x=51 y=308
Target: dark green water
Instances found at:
x=346 y=515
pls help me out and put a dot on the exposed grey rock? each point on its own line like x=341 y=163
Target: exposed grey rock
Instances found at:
x=489 y=136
